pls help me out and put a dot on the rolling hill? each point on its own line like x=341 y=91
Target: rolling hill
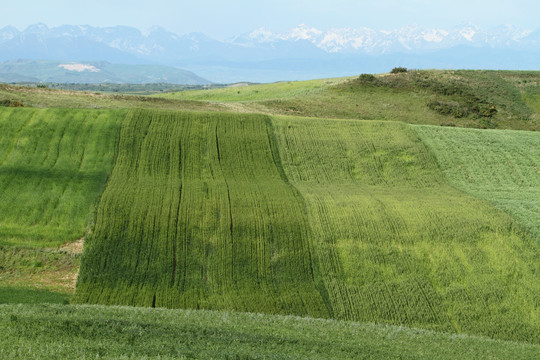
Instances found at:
x=343 y=201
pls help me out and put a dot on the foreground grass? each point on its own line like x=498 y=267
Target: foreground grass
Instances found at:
x=56 y=331
x=502 y=167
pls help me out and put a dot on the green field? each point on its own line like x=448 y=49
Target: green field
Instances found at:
x=397 y=244
x=264 y=92
x=197 y=214
x=502 y=167
x=53 y=167
x=357 y=224
x=109 y=332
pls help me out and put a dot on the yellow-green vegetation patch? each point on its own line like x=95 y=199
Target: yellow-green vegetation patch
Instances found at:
x=53 y=166
x=197 y=214
x=396 y=244
x=501 y=166
x=79 y=332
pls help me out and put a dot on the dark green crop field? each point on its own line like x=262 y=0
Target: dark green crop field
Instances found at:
x=197 y=214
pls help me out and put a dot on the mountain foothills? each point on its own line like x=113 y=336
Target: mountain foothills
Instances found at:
x=93 y=72
x=377 y=216
x=262 y=56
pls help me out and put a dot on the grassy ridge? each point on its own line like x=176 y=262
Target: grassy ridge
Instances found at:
x=53 y=166
x=481 y=99
x=55 y=332
x=397 y=244
x=274 y=91
x=197 y=214
x=502 y=167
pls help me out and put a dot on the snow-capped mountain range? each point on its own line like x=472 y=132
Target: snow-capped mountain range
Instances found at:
x=409 y=39
x=263 y=55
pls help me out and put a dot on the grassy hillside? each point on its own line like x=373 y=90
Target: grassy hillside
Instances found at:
x=482 y=99
x=263 y=92
x=345 y=219
x=53 y=168
x=197 y=214
x=502 y=167
x=55 y=331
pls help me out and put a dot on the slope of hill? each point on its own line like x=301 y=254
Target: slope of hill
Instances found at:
x=53 y=167
x=110 y=332
x=343 y=219
x=94 y=73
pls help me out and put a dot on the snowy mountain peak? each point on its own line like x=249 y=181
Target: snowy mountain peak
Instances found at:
x=304 y=32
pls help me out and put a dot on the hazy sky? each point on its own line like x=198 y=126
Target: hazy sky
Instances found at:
x=221 y=19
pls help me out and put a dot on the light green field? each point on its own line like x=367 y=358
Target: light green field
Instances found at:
x=397 y=244
x=197 y=214
x=502 y=167
x=78 y=332
x=53 y=167
x=274 y=91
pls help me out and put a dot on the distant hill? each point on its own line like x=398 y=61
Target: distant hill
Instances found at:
x=94 y=72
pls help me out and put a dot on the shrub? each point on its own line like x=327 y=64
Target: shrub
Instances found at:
x=11 y=103
x=366 y=78
x=398 y=70
x=448 y=108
